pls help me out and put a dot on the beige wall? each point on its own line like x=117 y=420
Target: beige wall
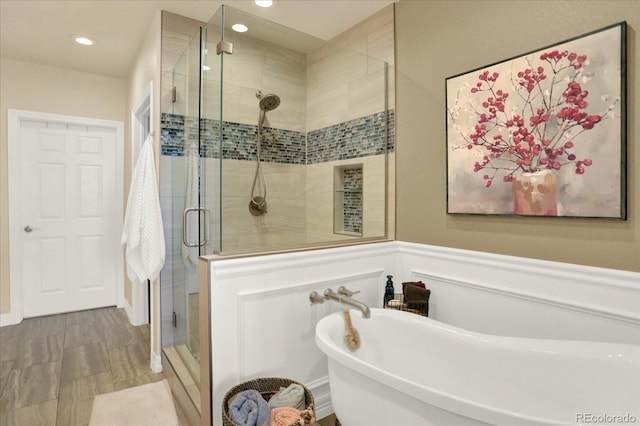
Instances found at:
x=35 y=87
x=439 y=39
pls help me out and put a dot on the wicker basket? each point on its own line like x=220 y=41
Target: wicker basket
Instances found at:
x=267 y=387
x=419 y=308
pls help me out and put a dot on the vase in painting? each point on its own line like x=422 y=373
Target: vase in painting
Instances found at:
x=534 y=194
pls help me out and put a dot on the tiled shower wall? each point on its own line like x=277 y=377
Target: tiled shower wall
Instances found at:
x=344 y=77
x=285 y=166
x=343 y=87
x=255 y=66
x=330 y=111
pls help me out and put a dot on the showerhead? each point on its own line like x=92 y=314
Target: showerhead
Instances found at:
x=268 y=102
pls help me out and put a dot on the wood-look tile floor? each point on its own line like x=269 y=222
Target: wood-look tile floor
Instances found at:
x=51 y=368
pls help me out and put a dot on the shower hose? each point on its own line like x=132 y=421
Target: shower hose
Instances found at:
x=259 y=196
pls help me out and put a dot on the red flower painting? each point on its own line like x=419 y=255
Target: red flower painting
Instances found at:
x=550 y=110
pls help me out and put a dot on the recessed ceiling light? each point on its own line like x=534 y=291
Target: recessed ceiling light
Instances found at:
x=264 y=3
x=239 y=28
x=83 y=40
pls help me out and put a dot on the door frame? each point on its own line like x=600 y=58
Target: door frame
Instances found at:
x=138 y=311
x=14 y=117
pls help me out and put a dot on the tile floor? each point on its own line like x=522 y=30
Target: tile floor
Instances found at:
x=328 y=421
x=51 y=368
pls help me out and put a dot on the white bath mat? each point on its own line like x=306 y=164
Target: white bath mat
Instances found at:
x=150 y=404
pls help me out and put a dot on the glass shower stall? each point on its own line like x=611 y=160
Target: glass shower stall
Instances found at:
x=274 y=140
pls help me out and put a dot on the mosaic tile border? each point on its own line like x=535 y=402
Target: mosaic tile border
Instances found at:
x=352 y=199
x=361 y=137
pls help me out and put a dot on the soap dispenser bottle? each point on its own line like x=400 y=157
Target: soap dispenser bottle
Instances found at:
x=389 y=292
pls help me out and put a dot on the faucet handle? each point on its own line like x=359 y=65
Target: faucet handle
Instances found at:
x=346 y=292
x=314 y=298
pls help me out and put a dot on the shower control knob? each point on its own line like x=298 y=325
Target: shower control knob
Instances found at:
x=28 y=229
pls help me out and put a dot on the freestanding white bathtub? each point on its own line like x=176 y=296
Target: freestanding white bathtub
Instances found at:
x=414 y=371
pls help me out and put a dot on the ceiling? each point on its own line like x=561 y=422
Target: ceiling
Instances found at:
x=40 y=31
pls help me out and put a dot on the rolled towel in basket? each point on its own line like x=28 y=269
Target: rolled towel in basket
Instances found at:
x=415 y=293
x=417 y=297
x=419 y=284
x=285 y=416
x=291 y=396
x=248 y=408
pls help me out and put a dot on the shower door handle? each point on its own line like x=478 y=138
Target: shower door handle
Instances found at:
x=202 y=239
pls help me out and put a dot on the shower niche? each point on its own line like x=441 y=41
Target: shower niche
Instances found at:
x=347 y=200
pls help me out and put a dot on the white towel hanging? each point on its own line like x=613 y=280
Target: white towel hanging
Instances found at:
x=143 y=232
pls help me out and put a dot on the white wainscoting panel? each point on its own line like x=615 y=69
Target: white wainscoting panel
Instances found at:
x=513 y=296
x=290 y=325
x=263 y=324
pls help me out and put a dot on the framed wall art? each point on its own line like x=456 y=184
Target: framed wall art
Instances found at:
x=542 y=134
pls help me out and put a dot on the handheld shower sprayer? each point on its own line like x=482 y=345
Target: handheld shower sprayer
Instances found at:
x=258 y=203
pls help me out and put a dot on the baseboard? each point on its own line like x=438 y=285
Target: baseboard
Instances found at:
x=10 y=318
x=321 y=397
x=156 y=363
x=128 y=310
x=136 y=317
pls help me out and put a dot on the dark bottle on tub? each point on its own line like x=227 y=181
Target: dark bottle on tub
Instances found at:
x=388 y=291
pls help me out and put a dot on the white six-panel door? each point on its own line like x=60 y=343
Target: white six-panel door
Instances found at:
x=70 y=229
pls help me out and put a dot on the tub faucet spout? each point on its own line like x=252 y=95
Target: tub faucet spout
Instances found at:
x=337 y=297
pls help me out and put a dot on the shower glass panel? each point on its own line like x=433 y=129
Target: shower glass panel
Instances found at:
x=184 y=178
x=193 y=198
x=310 y=106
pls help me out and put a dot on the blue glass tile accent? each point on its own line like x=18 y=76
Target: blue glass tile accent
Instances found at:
x=277 y=145
x=361 y=137
x=171 y=134
x=391 y=137
x=209 y=138
x=352 y=199
x=283 y=146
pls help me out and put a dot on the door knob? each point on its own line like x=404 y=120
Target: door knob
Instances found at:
x=28 y=228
